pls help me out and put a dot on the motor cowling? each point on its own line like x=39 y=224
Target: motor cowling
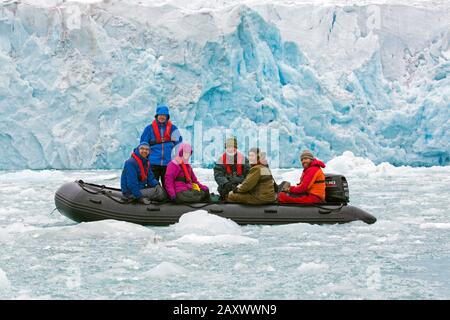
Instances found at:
x=336 y=188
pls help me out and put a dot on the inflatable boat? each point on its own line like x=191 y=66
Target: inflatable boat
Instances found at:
x=82 y=202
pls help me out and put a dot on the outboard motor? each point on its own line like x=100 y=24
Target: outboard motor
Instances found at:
x=336 y=188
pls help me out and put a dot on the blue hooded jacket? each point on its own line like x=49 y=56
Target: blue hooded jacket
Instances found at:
x=130 y=182
x=161 y=153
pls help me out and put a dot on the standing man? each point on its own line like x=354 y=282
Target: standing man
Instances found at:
x=162 y=136
x=311 y=188
x=231 y=168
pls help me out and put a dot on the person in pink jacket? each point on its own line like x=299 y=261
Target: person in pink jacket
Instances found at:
x=181 y=183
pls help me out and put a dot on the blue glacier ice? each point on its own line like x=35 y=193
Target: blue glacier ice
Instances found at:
x=80 y=81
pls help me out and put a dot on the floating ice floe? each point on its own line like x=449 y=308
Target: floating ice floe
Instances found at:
x=203 y=223
x=98 y=230
x=312 y=267
x=4 y=281
x=201 y=227
x=165 y=269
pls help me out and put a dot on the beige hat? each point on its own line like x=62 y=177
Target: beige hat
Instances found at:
x=306 y=154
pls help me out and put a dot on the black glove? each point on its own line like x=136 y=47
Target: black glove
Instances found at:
x=284 y=186
x=227 y=187
x=236 y=180
x=143 y=200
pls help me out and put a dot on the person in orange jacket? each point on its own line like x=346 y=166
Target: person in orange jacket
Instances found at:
x=311 y=188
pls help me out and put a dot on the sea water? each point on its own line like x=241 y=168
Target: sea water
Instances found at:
x=404 y=255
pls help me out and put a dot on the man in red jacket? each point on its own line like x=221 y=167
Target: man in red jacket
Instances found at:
x=311 y=188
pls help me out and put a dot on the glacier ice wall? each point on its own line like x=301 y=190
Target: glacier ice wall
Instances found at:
x=80 y=81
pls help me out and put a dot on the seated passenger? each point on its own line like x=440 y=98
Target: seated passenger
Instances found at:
x=137 y=180
x=181 y=183
x=258 y=186
x=311 y=188
x=230 y=169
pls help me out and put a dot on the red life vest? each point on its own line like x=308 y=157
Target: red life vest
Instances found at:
x=166 y=137
x=240 y=160
x=187 y=176
x=144 y=173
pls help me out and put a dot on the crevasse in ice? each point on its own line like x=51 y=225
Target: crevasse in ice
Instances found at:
x=80 y=81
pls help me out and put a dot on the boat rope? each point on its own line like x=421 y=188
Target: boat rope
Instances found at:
x=198 y=207
x=159 y=202
x=51 y=213
x=186 y=204
x=329 y=209
x=82 y=184
x=102 y=191
x=117 y=200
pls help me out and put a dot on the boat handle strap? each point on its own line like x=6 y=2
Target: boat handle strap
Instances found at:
x=96 y=201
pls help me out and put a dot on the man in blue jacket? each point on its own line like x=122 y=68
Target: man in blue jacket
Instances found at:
x=137 y=179
x=162 y=136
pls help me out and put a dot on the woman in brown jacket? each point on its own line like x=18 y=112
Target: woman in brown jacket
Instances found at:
x=258 y=186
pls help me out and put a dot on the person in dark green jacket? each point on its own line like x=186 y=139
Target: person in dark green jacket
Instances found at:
x=230 y=169
x=258 y=186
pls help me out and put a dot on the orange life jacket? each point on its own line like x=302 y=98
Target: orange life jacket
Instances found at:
x=240 y=161
x=317 y=185
x=166 y=137
x=143 y=173
x=187 y=176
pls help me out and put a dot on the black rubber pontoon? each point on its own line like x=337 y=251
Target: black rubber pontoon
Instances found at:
x=82 y=202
